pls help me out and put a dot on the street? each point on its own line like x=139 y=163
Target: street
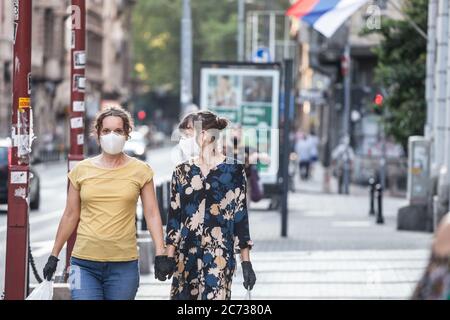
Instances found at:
x=334 y=250
x=44 y=223
x=337 y=113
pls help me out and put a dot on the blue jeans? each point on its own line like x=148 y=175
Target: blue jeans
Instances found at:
x=91 y=280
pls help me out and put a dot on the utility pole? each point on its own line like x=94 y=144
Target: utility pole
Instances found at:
x=241 y=30
x=16 y=271
x=77 y=101
x=346 y=118
x=447 y=118
x=383 y=159
x=439 y=168
x=440 y=83
x=431 y=56
x=186 y=57
x=288 y=99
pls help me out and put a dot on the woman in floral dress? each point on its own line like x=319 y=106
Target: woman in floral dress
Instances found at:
x=208 y=218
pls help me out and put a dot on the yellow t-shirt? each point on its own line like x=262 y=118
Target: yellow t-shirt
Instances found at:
x=107 y=227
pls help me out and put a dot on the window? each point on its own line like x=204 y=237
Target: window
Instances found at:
x=49 y=23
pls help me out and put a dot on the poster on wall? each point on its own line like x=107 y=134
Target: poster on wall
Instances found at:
x=248 y=96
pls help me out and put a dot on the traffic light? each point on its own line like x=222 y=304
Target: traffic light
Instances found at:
x=142 y=115
x=378 y=104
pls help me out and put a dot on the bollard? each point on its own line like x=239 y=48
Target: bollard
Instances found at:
x=379 y=191
x=372 y=196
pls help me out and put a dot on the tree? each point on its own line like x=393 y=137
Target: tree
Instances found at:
x=157 y=38
x=401 y=70
x=156 y=28
x=156 y=42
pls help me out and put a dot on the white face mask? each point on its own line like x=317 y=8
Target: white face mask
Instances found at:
x=112 y=143
x=189 y=147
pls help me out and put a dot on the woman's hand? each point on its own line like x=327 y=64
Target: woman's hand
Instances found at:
x=50 y=268
x=249 y=275
x=164 y=267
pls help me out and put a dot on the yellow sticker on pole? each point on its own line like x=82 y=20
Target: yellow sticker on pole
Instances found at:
x=24 y=103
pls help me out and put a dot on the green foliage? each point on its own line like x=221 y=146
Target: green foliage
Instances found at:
x=156 y=28
x=156 y=31
x=401 y=71
x=157 y=37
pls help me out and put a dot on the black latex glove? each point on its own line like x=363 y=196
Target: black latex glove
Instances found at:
x=50 y=268
x=172 y=267
x=249 y=275
x=164 y=267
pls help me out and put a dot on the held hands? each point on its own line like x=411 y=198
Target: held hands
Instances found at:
x=164 y=267
x=50 y=268
x=249 y=275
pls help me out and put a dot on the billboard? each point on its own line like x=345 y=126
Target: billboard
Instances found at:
x=248 y=96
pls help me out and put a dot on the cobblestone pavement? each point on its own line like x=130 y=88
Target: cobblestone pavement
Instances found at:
x=334 y=250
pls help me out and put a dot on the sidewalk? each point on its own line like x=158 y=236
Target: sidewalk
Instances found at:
x=334 y=250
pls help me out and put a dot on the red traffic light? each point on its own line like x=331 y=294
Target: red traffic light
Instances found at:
x=142 y=115
x=379 y=100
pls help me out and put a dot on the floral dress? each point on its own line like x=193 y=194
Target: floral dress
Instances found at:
x=208 y=224
x=435 y=283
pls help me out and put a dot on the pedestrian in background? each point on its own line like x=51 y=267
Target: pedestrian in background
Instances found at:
x=240 y=151
x=342 y=156
x=102 y=201
x=303 y=150
x=208 y=218
x=435 y=283
x=313 y=142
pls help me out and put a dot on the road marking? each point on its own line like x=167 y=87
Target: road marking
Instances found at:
x=42 y=248
x=371 y=280
x=38 y=219
x=319 y=213
x=48 y=216
x=352 y=224
x=53 y=184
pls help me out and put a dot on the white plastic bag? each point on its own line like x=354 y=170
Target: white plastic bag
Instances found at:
x=42 y=292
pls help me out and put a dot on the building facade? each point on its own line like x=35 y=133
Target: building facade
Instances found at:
x=6 y=34
x=320 y=86
x=107 y=71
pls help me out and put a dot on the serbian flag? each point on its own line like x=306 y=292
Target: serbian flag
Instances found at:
x=326 y=16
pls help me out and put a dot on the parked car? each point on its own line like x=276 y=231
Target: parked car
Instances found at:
x=136 y=146
x=35 y=189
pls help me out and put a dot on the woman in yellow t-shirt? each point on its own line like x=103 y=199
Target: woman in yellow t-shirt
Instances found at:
x=102 y=201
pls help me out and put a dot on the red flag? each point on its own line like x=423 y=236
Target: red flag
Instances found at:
x=301 y=8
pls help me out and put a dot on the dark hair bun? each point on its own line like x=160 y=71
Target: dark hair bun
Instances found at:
x=222 y=123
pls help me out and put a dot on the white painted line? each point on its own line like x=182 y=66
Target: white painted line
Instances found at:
x=38 y=219
x=352 y=224
x=319 y=213
x=47 y=216
x=42 y=248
